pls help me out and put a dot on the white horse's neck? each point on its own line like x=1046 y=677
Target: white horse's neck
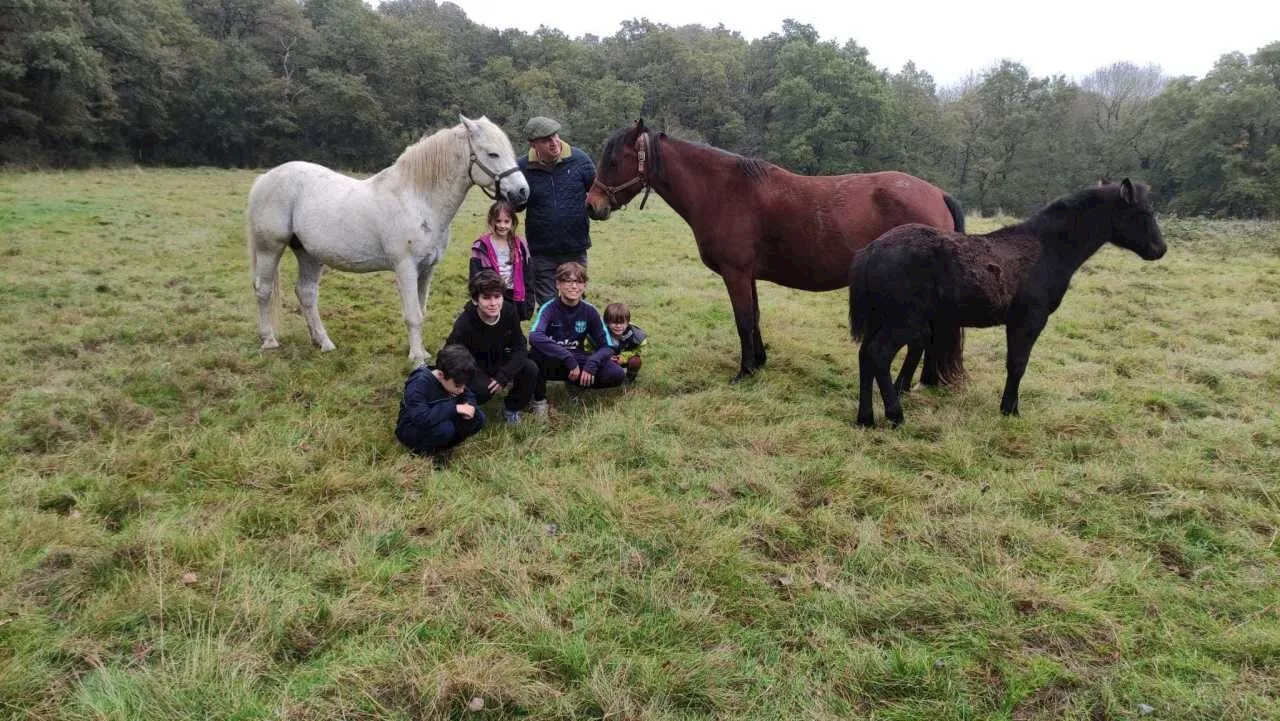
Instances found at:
x=435 y=167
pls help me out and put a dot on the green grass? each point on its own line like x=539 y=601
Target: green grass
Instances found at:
x=192 y=529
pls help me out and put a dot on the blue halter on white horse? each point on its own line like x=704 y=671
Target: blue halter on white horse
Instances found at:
x=396 y=220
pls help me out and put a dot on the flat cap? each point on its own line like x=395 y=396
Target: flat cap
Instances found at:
x=540 y=127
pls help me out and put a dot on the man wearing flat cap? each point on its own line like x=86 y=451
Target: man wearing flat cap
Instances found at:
x=555 y=222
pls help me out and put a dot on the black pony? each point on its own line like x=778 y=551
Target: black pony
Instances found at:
x=917 y=285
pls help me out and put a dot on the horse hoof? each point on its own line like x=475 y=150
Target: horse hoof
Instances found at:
x=896 y=421
x=326 y=346
x=866 y=422
x=270 y=344
x=742 y=376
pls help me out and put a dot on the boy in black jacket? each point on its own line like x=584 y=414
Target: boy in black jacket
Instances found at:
x=490 y=329
x=437 y=411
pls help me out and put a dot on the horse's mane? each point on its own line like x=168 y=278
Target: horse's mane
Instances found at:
x=433 y=159
x=754 y=168
x=1070 y=206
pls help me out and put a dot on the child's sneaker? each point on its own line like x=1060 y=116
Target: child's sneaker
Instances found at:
x=510 y=416
x=539 y=408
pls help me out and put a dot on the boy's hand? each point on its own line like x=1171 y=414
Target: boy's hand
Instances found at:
x=573 y=374
x=466 y=410
x=617 y=359
x=586 y=379
x=494 y=386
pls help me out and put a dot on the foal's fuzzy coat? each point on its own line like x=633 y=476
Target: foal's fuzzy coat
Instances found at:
x=915 y=284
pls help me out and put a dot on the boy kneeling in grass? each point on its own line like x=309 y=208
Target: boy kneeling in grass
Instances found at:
x=489 y=327
x=559 y=335
x=437 y=411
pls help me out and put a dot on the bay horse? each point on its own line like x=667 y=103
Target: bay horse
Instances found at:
x=396 y=220
x=753 y=220
x=916 y=281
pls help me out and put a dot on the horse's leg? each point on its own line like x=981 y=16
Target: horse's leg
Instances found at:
x=1020 y=334
x=866 y=380
x=739 y=286
x=266 y=286
x=308 y=289
x=425 y=273
x=407 y=280
x=929 y=376
x=757 y=340
x=908 y=371
x=882 y=352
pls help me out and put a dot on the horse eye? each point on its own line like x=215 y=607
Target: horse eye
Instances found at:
x=493 y=155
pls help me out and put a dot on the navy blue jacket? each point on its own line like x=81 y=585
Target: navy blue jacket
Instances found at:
x=555 y=220
x=426 y=404
x=561 y=331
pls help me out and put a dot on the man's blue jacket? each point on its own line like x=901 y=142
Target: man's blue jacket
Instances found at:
x=555 y=219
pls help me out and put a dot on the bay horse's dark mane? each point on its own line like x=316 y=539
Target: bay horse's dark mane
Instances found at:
x=754 y=168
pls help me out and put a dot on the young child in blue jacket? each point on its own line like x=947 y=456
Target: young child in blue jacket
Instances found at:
x=437 y=411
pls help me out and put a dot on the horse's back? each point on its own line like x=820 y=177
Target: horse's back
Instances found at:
x=287 y=182
x=814 y=225
x=864 y=206
x=275 y=194
x=282 y=197
x=898 y=198
x=972 y=278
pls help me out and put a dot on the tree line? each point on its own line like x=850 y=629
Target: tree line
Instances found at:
x=252 y=83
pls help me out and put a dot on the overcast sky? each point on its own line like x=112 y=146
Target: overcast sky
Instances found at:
x=946 y=39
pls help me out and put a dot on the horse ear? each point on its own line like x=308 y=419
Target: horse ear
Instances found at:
x=469 y=124
x=1103 y=180
x=1126 y=191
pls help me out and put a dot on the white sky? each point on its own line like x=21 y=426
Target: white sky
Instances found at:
x=947 y=39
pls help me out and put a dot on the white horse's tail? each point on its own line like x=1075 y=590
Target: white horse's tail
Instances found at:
x=251 y=245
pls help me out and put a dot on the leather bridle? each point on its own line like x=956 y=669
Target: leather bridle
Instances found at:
x=611 y=191
x=495 y=177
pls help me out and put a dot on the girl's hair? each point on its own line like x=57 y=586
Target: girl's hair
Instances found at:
x=499 y=207
x=617 y=313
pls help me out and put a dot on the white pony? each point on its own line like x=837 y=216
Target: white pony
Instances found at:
x=397 y=220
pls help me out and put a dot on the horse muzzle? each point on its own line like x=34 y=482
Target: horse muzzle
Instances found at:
x=518 y=198
x=595 y=212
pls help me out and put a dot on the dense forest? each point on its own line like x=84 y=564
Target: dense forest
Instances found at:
x=252 y=83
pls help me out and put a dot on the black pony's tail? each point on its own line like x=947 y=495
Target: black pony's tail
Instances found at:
x=859 y=296
x=957 y=212
x=948 y=354
x=947 y=348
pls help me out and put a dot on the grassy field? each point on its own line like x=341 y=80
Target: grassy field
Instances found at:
x=193 y=529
